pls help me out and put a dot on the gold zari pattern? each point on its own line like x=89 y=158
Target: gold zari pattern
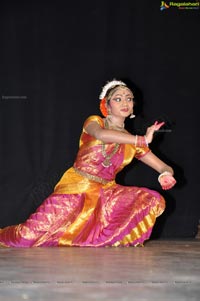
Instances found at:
x=92 y=177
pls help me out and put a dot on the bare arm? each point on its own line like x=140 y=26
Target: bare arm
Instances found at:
x=165 y=178
x=109 y=136
x=113 y=136
x=154 y=162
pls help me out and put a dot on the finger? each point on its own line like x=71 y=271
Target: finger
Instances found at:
x=166 y=187
x=157 y=123
x=158 y=126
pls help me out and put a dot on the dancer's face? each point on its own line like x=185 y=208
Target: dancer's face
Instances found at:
x=121 y=103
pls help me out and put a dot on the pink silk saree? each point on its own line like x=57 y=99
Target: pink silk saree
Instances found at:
x=87 y=207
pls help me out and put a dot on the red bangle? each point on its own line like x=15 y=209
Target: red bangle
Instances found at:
x=141 y=141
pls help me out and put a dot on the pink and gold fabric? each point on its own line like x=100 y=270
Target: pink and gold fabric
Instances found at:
x=87 y=207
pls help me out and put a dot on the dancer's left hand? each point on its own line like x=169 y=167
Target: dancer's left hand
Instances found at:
x=167 y=182
x=151 y=129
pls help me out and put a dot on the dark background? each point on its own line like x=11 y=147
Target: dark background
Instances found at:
x=54 y=59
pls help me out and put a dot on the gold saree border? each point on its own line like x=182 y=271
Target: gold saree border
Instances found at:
x=141 y=228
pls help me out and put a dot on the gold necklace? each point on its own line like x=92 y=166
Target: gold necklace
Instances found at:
x=107 y=157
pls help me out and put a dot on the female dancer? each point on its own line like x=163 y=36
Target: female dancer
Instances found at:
x=87 y=207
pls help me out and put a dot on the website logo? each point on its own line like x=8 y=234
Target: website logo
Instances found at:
x=164 y=5
x=179 y=5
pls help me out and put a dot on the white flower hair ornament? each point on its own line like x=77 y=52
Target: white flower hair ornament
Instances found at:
x=109 y=85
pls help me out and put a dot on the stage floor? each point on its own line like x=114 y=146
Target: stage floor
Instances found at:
x=162 y=270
